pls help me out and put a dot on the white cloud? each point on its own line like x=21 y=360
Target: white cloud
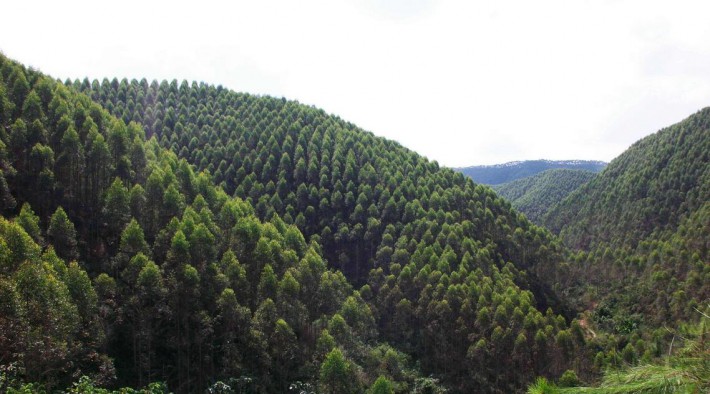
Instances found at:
x=460 y=82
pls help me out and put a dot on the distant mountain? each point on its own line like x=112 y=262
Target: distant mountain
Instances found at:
x=502 y=173
x=536 y=194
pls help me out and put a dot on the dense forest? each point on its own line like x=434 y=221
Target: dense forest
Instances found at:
x=641 y=227
x=122 y=263
x=503 y=173
x=182 y=237
x=430 y=249
x=203 y=236
x=639 y=235
x=537 y=194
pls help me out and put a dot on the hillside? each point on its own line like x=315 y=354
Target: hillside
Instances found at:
x=427 y=248
x=502 y=173
x=127 y=259
x=639 y=233
x=649 y=189
x=121 y=263
x=536 y=194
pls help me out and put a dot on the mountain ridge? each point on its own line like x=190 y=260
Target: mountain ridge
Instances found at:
x=501 y=173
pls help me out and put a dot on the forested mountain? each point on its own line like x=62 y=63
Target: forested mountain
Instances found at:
x=507 y=172
x=536 y=194
x=640 y=235
x=442 y=263
x=187 y=234
x=122 y=260
x=650 y=189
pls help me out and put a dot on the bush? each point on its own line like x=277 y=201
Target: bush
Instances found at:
x=568 y=379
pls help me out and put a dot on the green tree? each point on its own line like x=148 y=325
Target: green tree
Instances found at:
x=116 y=210
x=337 y=375
x=71 y=163
x=62 y=235
x=7 y=201
x=30 y=223
x=381 y=386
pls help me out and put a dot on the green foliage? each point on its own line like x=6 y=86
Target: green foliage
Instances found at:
x=541 y=386
x=175 y=262
x=86 y=386
x=649 y=189
x=62 y=234
x=337 y=375
x=687 y=371
x=568 y=379
x=381 y=386
x=226 y=247
x=537 y=194
x=422 y=238
x=30 y=223
x=116 y=209
x=638 y=233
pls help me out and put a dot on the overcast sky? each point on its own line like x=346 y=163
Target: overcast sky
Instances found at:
x=461 y=82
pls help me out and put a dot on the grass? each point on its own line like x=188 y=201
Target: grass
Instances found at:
x=687 y=372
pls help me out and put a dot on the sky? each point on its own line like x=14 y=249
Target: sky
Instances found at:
x=460 y=82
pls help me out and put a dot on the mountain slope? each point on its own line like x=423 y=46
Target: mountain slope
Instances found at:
x=535 y=195
x=119 y=262
x=641 y=229
x=649 y=189
x=502 y=173
x=447 y=267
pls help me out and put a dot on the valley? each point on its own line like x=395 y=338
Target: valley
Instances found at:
x=176 y=236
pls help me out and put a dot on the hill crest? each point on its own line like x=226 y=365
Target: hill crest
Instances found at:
x=496 y=174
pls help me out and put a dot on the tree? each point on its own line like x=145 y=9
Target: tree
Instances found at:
x=381 y=386
x=7 y=201
x=5 y=106
x=71 y=163
x=42 y=171
x=267 y=284
x=202 y=248
x=116 y=210
x=62 y=235
x=98 y=168
x=132 y=243
x=284 y=352
x=138 y=202
x=149 y=306
x=17 y=144
x=30 y=223
x=53 y=317
x=232 y=332
x=32 y=107
x=19 y=90
x=337 y=375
